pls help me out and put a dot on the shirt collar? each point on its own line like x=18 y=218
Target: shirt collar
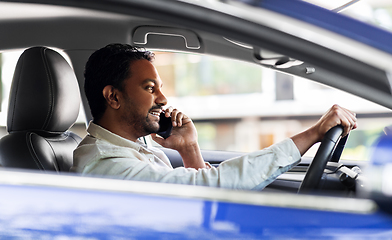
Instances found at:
x=101 y=133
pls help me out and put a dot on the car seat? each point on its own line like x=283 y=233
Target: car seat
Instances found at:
x=43 y=104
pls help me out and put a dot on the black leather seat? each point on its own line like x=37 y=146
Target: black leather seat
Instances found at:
x=44 y=103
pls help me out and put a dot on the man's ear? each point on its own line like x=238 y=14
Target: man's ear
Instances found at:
x=111 y=95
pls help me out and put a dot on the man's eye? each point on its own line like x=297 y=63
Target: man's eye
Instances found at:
x=150 y=88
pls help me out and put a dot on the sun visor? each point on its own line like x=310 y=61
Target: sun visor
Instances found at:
x=269 y=58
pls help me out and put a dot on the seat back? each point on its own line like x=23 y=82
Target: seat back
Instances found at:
x=43 y=104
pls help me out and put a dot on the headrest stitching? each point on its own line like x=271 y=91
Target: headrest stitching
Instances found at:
x=55 y=163
x=32 y=152
x=50 y=78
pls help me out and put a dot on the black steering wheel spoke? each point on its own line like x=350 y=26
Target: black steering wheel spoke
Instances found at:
x=330 y=150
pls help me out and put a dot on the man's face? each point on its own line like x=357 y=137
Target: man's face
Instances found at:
x=142 y=99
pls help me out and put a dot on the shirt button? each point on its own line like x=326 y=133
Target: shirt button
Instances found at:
x=151 y=160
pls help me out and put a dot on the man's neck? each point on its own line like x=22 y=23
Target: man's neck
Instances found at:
x=118 y=129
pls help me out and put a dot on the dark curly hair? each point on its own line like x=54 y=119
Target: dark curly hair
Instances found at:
x=109 y=65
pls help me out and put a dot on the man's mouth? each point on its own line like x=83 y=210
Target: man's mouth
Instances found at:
x=155 y=112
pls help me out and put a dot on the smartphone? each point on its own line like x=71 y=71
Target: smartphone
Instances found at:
x=165 y=126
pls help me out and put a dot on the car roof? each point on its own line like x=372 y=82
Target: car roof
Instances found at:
x=317 y=44
x=341 y=24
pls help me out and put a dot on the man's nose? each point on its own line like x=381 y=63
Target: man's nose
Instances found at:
x=161 y=99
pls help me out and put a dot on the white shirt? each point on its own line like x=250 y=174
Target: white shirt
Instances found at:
x=104 y=153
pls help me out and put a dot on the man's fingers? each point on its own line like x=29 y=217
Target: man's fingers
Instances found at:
x=178 y=118
x=174 y=117
x=168 y=111
x=337 y=115
x=345 y=122
x=351 y=120
x=345 y=117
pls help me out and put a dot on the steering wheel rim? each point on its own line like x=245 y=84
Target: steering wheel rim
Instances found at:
x=324 y=153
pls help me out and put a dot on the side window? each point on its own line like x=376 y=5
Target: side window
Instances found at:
x=239 y=106
x=8 y=63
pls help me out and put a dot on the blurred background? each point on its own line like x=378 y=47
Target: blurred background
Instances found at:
x=239 y=106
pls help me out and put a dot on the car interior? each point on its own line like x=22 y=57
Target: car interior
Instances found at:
x=46 y=91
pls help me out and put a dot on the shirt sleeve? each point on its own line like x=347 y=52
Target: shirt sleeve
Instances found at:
x=251 y=171
x=258 y=169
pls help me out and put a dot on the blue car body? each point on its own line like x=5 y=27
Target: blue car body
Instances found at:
x=332 y=21
x=110 y=212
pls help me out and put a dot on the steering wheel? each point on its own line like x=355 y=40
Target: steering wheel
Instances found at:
x=329 y=150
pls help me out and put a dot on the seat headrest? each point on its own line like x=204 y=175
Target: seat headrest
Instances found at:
x=44 y=93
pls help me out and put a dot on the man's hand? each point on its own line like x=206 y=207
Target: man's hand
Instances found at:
x=183 y=134
x=183 y=139
x=336 y=115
